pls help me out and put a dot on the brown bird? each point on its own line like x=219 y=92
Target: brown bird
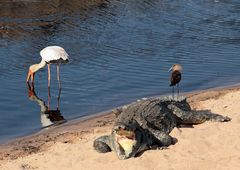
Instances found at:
x=175 y=77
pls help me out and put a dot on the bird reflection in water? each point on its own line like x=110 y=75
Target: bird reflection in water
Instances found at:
x=48 y=117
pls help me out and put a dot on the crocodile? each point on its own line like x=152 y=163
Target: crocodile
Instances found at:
x=146 y=124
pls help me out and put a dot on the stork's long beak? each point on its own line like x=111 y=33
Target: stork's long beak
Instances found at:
x=30 y=76
x=31 y=91
x=170 y=69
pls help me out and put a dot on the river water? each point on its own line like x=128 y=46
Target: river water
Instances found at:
x=120 y=50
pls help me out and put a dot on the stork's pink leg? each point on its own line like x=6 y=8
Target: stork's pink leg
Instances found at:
x=58 y=99
x=49 y=98
x=49 y=80
x=49 y=75
x=58 y=77
x=59 y=85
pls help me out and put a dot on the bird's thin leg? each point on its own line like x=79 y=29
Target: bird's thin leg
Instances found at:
x=59 y=85
x=58 y=77
x=178 y=90
x=49 y=80
x=173 y=92
x=49 y=98
x=49 y=75
x=58 y=100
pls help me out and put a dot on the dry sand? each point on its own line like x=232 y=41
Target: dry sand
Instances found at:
x=211 y=145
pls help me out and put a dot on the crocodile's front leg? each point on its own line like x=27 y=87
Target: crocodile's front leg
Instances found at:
x=161 y=138
x=196 y=116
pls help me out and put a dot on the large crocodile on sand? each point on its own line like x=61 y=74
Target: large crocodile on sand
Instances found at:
x=146 y=124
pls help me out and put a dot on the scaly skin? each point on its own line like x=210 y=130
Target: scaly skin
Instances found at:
x=150 y=121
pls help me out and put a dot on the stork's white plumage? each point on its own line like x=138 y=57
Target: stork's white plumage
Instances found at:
x=50 y=55
x=53 y=53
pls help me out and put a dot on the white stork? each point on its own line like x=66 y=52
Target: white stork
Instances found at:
x=50 y=55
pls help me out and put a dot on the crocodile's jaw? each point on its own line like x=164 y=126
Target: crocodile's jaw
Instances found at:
x=125 y=143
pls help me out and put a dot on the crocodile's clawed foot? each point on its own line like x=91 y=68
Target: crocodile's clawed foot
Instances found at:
x=156 y=147
x=222 y=119
x=162 y=148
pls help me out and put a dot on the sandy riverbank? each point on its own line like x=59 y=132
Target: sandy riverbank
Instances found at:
x=207 y=146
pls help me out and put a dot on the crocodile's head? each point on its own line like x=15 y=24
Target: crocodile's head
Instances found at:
x=125 y=139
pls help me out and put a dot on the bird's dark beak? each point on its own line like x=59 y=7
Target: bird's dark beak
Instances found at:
x=170 y=69
x=30 y=76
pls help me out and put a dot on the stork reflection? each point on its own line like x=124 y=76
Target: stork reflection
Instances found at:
x=48 y=117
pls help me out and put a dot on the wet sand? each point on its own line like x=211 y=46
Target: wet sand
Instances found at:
x=211 y=145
